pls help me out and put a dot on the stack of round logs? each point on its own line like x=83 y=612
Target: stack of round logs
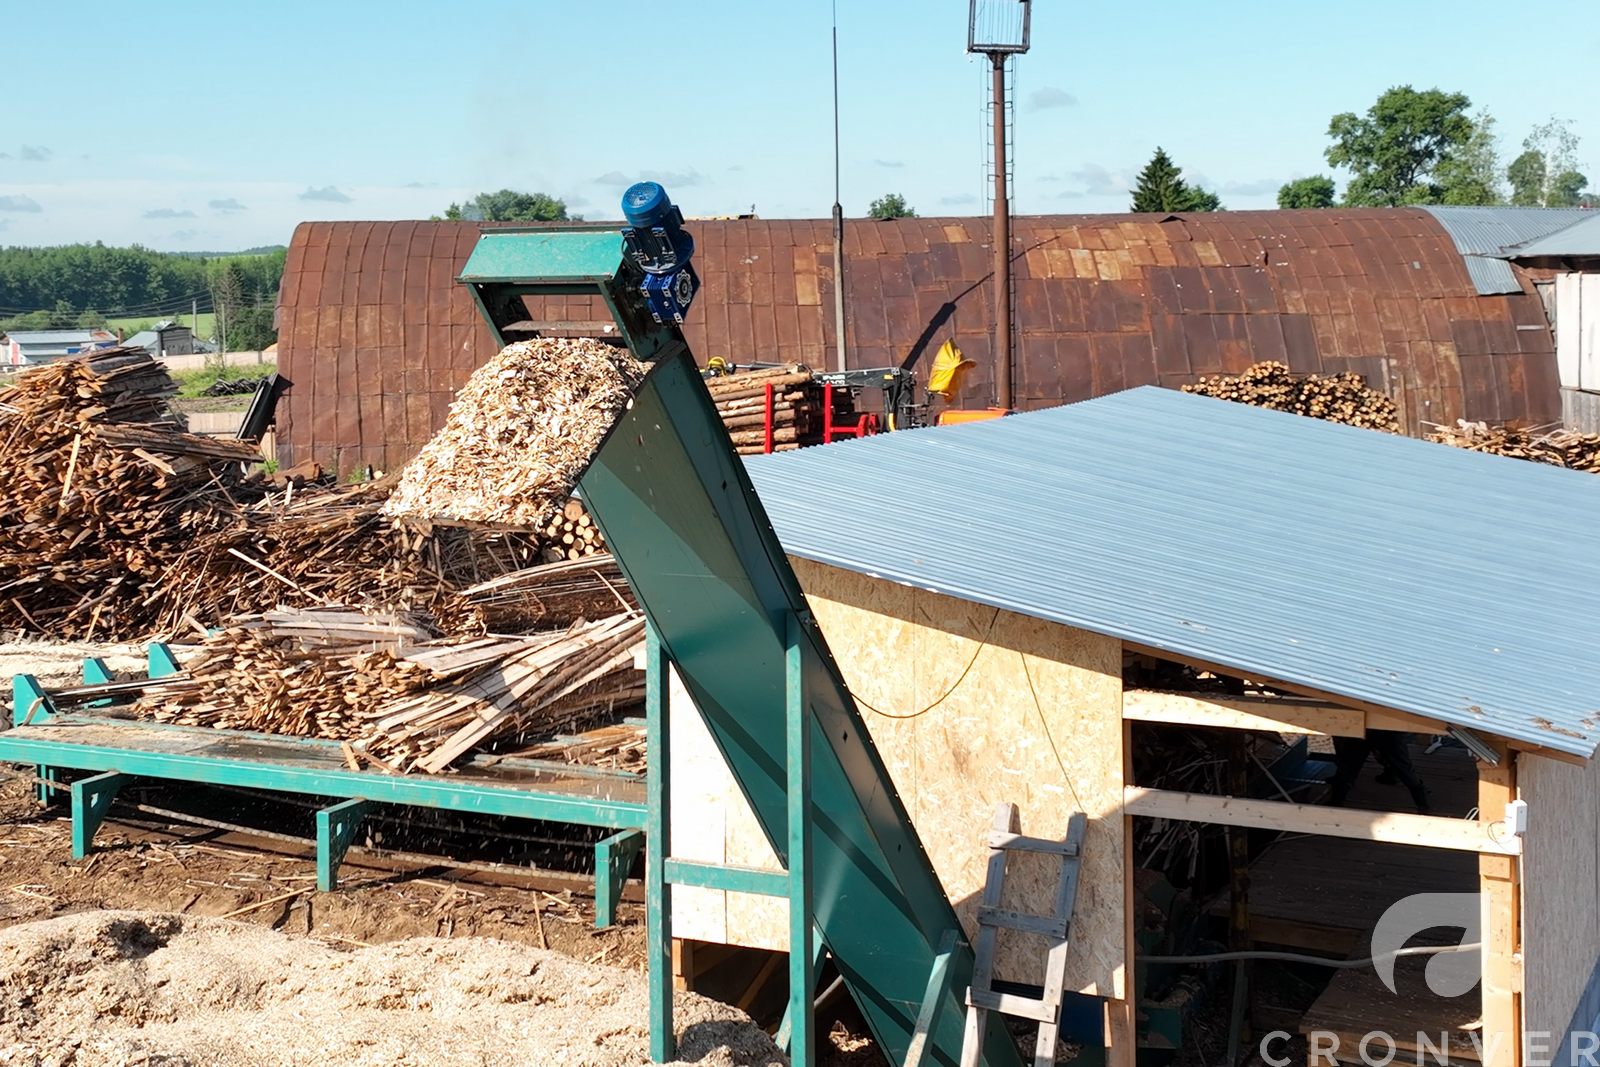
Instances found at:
x=1342 y=398
x=572 y=534
x=797 y=407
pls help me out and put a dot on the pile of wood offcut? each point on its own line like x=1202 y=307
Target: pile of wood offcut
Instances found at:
x=394 y=694
x=101 y=492
x=1342 y=398
x=1559 y=448
x=520 y=434
x=787 y=399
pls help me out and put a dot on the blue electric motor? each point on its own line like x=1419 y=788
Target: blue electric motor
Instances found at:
x=654 y=239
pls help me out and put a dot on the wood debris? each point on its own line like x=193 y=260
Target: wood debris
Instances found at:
x=520 y=434
x=1560 y=448
x=775 y=409
x=1341 y=398
x=398 y=696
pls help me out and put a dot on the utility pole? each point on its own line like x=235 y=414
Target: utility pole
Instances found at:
x=838 y=214
x=1000 y=29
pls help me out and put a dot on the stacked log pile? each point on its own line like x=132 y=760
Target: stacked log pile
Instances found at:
x=572 y=534
x=1560 y=448
x=519 y=434
x=1341 y=398
x=100 y=492
x=797 y=413
x=399 y=699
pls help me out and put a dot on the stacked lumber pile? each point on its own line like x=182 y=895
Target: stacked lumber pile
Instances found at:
x=572 y=534
x=552 y=594
x=520 y=434
x=398 y=698
x=797 y=407
x=100 y=493
x=1561 y=448
x=1342 y=398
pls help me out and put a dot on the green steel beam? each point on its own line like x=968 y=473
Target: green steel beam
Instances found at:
x=337 y=827
x=91 y=800
x=160 y=662
x=727 y=878
x=545 y=256
x=802 y=955
x=932 y=998
x=613 y=859
x=29 y=703
x=450 y=793
x=658 y=846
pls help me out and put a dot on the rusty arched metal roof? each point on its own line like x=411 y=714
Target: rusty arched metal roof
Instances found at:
x=376 y=335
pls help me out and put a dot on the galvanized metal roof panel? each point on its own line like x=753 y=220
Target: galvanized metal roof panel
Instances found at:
x=1483 y=235
x=1580 y=239
x=1371 y=567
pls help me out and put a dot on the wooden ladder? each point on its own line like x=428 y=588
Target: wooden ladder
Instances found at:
x=1005 y=837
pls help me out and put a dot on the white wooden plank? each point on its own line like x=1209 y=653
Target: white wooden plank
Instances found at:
x=1568 y=335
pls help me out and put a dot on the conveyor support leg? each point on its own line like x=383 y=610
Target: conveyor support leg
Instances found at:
x=657 y=847
x=336 y=831
x=91 y=800
x=613 y=859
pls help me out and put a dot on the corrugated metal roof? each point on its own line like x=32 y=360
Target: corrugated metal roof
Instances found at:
x=1371 y=567
x=1580 y=239
x=54 y=337
x=1483 y=234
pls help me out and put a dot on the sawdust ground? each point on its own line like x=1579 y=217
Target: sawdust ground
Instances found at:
x=59 y=663
x=110 y=988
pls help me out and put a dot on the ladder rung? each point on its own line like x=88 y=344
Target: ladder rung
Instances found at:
x=1045 y=925
x=1011 y=1004
x=1019 y=843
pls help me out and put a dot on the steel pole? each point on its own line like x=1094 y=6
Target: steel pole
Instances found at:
x=1002 y=242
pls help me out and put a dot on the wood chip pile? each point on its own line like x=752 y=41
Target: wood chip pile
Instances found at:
x=797 y=407
x=100 y=492
x=1561 y=448
x=1342 y=398
x=519 y=434
x=399 y=698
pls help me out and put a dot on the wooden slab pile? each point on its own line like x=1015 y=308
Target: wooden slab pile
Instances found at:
x=797 y=407
x=100 y=491
x=1342 y=398
x=398 y=698
x=1560 y=448
x=552 y=594
x=519 y=434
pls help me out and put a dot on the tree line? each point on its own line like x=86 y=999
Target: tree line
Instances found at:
x=84 y=285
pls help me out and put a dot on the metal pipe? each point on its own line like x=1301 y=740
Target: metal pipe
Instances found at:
x=839 y=360
x=1002 y=242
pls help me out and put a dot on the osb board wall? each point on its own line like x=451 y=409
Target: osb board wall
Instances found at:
x=1560 y=888
x=1030 y=713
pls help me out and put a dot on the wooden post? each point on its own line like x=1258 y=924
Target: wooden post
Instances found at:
x=1501 y=928
x=1121 y=1015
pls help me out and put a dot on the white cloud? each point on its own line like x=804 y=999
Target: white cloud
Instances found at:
x=33 y=153
x=1257 y=187
x=959 y=199
x=328 y=193
x=20 y=203
x=672 y=179
x=1047 y=97
x=228 y=204
x=891 y=163
x=167 y=213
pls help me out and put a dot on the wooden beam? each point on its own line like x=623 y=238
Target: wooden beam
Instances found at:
x=1501 y=930
x=1121 y=1021
x=1282 y=715
x=1429 y=831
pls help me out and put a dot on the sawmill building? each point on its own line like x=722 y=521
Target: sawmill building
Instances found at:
x=376 y=334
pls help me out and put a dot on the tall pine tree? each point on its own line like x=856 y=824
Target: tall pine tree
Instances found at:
x=1162 y=188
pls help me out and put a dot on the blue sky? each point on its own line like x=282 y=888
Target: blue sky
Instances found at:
x=187 y=125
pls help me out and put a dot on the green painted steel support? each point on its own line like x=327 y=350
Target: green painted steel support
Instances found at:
x=613 y=859
x=336 y=832
x=938 y=986
x=95 y=672
x=786 y=1024
x=29 y=704
x=729 y=879
x=160 y=662
x=802 y=957
x=658 y=846
x=91 y=800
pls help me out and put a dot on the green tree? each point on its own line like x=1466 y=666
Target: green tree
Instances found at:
x=891 y=206
x=1394 y=150
x=1161 y=188
x=1546 y=173
x=508 y=205
x=227 y=297
x=1316 y=191
x=1470 y=175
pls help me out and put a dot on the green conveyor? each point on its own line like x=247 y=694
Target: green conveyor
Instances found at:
x=673 y=501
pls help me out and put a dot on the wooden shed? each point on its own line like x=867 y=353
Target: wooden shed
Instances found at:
x=1045 y=610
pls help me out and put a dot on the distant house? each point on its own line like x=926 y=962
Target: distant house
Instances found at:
x=167 y=338
x=23 y=348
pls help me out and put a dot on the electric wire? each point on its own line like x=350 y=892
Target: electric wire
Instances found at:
x=1320 y=961
x=953 y=686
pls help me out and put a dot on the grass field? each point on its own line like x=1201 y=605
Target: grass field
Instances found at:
x=196 y=382
x=129 y=327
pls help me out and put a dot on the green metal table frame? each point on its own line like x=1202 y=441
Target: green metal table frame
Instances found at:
x=52 y=741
